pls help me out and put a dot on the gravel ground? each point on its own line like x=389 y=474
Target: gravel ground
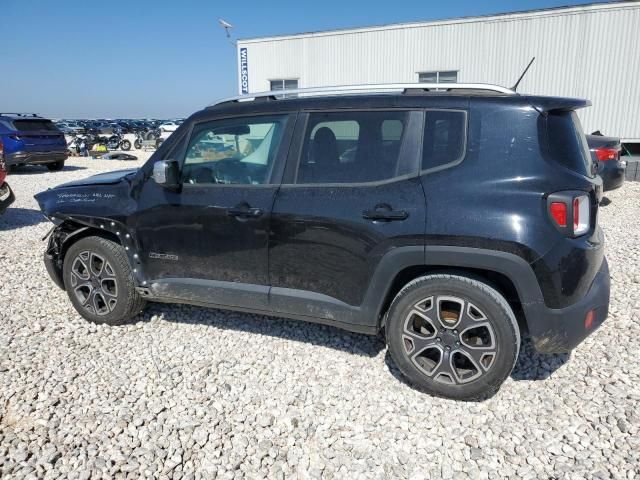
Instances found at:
x=190 y=392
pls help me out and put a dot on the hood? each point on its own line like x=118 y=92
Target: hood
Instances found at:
x=100 y=196
x=107 y=178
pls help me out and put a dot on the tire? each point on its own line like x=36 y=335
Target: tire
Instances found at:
x=125 y=145
x=137 y=144
x=55 y=166
x=100 y=283
x=460 y=320
x=159 y=142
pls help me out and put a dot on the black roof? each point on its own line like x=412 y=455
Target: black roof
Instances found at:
x=452 y=100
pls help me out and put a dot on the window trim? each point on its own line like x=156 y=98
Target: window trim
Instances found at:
x=415 y=125
x=279 y=160
x=453 y=163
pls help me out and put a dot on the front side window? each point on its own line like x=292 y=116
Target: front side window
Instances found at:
x=352 y=147
x=233 y=151
x=444 y=138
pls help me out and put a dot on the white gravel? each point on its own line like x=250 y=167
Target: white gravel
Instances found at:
x=190 y=392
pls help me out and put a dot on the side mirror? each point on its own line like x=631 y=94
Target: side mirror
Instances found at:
x=166 y=173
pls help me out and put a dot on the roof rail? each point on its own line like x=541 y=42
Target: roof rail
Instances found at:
x=371 y=88
x=20 y=114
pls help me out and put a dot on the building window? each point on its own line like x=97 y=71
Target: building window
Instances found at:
x=450 y=76
x=284 y=85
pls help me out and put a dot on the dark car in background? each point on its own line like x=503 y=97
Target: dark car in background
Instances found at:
x=28 y=139
x=605 y=152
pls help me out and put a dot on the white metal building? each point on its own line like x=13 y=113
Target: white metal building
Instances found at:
x=588 y=51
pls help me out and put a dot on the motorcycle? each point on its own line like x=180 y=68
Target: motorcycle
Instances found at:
x=149 y=134
x=118 y=142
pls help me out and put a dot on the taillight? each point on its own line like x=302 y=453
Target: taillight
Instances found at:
x=605 y=154
x=570 y=212
x=558 y=212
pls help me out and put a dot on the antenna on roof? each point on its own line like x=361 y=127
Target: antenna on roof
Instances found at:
x=523 y=74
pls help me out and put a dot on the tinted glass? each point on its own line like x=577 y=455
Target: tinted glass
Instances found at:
x=428 y=77
x=567 y=139
x=444 y=138
x=34 y=125
x=448 y=77
x=234 y=151
x=351 y=147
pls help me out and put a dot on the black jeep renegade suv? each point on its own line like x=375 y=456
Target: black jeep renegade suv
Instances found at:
x=436 y=216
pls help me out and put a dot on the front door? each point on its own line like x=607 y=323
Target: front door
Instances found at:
x=207 y=242
x=353 y=196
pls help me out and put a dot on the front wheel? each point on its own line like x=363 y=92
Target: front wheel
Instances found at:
x=125 y=145
x=55 y=166
x=453 y=336
x=99 y=281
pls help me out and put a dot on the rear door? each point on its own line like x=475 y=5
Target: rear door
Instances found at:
x=351 y=193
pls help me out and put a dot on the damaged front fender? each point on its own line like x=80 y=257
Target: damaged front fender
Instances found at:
x=99 y=205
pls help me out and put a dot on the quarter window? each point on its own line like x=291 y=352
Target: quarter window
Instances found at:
x=444 y=138
x=233 y=151
x=352 y=147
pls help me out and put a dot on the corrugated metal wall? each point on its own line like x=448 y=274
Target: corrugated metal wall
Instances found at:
x=588 y=52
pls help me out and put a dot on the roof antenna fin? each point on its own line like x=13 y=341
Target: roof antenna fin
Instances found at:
x=515 y=87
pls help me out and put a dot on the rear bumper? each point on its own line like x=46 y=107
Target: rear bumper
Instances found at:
x=561 y=330
x=35 y=158
x=6 y=197
x=612 y=175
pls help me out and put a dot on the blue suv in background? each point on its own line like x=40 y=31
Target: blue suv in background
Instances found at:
x=27 y=139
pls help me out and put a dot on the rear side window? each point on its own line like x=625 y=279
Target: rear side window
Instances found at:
x=34 y=125
x=352 y=147
x=444 y=139
x=568 y=144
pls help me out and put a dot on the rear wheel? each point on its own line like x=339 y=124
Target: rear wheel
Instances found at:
x=100 y=282
x=55 y=166
x=137 y=144
x=453 y=336
x=125 y=145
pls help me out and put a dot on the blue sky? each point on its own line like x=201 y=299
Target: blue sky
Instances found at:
x=147 y=58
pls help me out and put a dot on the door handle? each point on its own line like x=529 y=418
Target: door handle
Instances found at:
x=244 y=211
x=383 y=212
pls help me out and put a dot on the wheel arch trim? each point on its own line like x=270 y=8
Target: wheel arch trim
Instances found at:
x=513 y=267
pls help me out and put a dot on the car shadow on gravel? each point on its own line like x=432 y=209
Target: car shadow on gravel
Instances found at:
x=20 y=217
x=531 y=365
x=36 y=169
x=296 y=330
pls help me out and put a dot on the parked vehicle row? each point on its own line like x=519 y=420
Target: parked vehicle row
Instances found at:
x=109 y=127
x=433 y=216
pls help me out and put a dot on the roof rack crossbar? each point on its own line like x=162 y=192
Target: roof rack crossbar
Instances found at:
x=363 y=89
